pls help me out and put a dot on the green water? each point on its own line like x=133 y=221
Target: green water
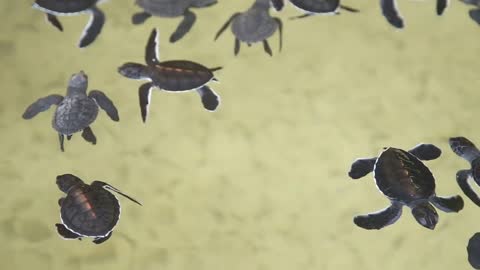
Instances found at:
x=261 y=183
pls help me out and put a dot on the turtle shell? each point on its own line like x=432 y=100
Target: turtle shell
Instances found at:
x=403 y=177
x=90 y=211
x=180 y=75
x=74 y=114
x=254 y=26
x=65 y=6
x=164 y=8
x=316 y=6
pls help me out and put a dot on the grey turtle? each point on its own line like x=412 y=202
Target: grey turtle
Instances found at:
x=171 y=9
x=473 y=250
x=392 y=14
x=475 y=12
x=316 y=7
x=467 y=150
x=76 y=111
x=254 y=25
x=171 y=76
x=405 y=181
x=87 y=210
x=54 y=8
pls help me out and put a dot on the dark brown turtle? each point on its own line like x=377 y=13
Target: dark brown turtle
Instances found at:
x=391 y=13
x=406 y=181
x=54 y=8
x=315 y=7
x=171 y=76
x=87 y=210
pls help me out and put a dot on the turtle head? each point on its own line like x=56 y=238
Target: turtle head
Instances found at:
x=464 y=148
x=203 y=3
x=425 y=215
x=261 y=4
x=78 y=83
x=66 y=181
x=133 y=71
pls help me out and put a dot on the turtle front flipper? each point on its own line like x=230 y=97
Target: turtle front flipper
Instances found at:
x=100 y=184
x=151 y=51
x=88 y=135
x=54 y=21
x=105 y=103
x=99 y=240
x=141 y=17
x=226 y=24
x=473 y=250
x=361 y=167
x=462 y=180
x=144 y=95
x=66 y=233
x=441 y=6
x=210 y=99
x=390 y=12
x=380 y=219
x=475 y=15
x=464 y=148
x=267 y=48
x=93 y=28
x=426 y=151
x=450 y=204
x=425 y=215
x=189 y=19
x=41 y=105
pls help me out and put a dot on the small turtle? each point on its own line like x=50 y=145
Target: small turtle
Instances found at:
x=254 y=25
x=473 y=250
x=53 y=8
x=391 y=13
x=87 y=210
x=171 y=9
x=474 y=13
x=467 y=150
x=172 y=76
x=406 y=181
x=76 y=111
x=314 y=7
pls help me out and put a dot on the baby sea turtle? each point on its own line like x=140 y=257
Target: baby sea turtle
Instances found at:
x=474 y=13
x=254 y=25
x=87 y=210
x=406 y=181
x=172 y=76
x=391 y=13
x=314 y=7
x=54 y=8
x=76 y=111
x=171 y=9
x=473 y=250
x=467 y=150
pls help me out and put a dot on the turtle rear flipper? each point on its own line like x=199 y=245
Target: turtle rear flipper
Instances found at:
x=426 y=151
x=266 y=48
x=99 y=240
x=441 y=6
x=141 y=17
x=93 y=28
x=105 y=103
x=450 y=204
x=54 y=21
x=464 y=148
x=61 y=139
x=390 y=12
x=189 y=19
x=210 y=99
x=473 y=250
x=475 y=15
x=41 y=105
x=361 y=167
x=350 y=9
x=462 y=180
x=380 y=219
x=88 y=135
x=66 y=233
